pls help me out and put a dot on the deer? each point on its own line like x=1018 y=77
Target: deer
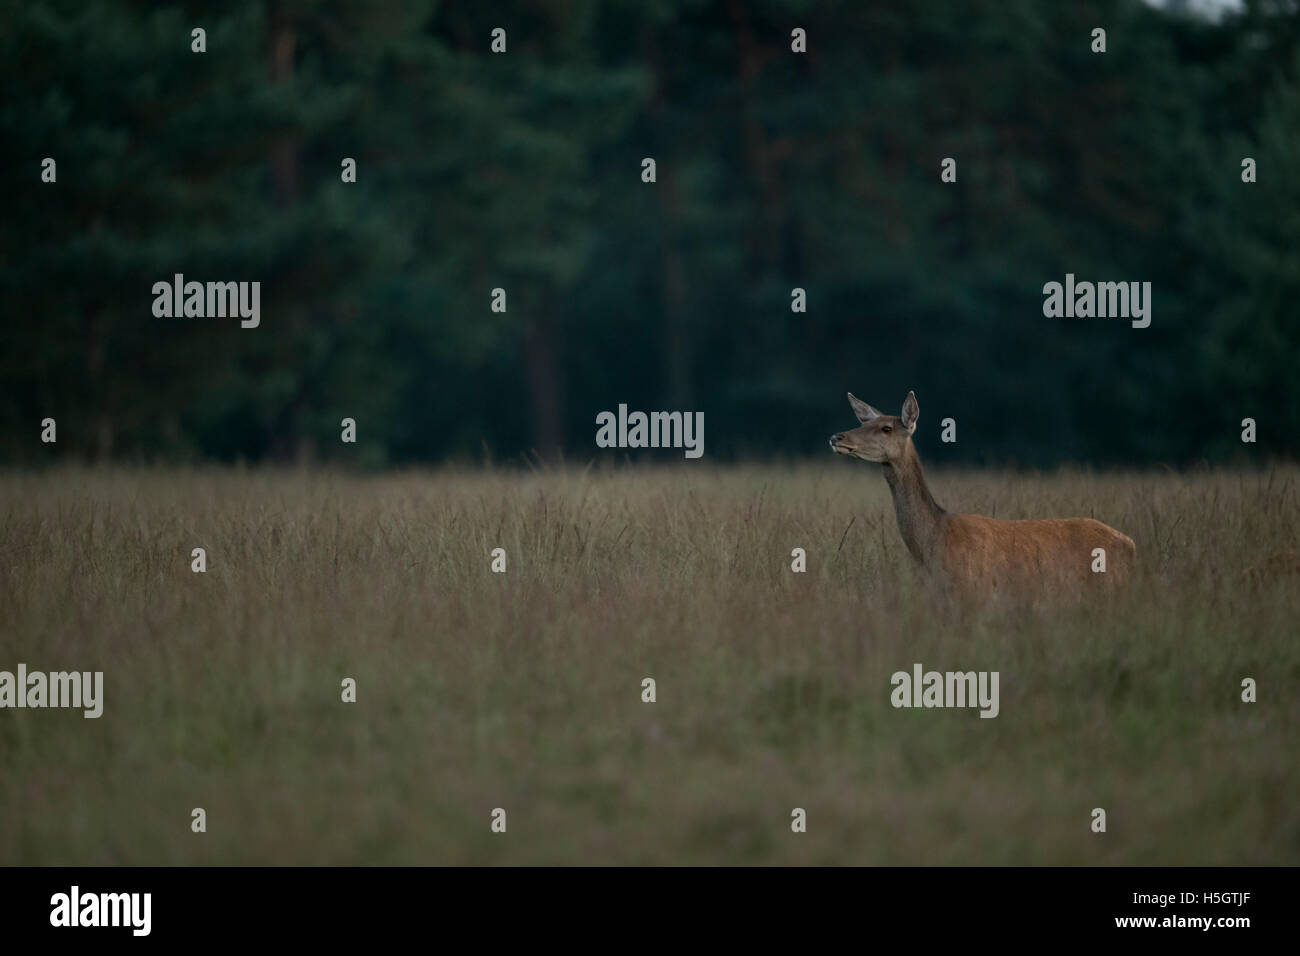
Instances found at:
x=971 y=554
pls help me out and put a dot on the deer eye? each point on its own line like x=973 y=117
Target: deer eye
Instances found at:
x=887 y=429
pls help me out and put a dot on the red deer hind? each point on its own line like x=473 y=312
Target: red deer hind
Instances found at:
x=974 y=554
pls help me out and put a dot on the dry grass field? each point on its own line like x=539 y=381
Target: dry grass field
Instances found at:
x=522 y=690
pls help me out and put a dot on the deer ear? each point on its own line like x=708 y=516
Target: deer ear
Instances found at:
x=860 y=408
x=911 y=412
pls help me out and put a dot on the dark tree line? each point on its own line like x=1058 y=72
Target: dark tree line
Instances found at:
x=522 y=171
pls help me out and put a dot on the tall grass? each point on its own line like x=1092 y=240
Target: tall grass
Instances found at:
x=523 y=690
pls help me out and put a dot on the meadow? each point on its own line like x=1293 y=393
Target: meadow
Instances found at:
x=477 y=690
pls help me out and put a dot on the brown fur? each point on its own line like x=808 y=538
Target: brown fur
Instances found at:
x=975 y=555
x=988 y=556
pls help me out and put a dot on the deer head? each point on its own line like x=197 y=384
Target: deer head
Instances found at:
x=880 y=438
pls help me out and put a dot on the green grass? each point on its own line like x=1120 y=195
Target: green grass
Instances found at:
x=523 y=690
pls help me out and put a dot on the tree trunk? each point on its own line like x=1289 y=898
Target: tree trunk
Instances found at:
x=759 y=154
x=677 y=343
x=285 y=441
x=284 y=158
x=98 y=390
x=543 y=387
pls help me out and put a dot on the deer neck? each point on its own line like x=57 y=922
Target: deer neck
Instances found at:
x=919 y=518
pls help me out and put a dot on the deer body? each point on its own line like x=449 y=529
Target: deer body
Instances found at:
x=974 y=554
